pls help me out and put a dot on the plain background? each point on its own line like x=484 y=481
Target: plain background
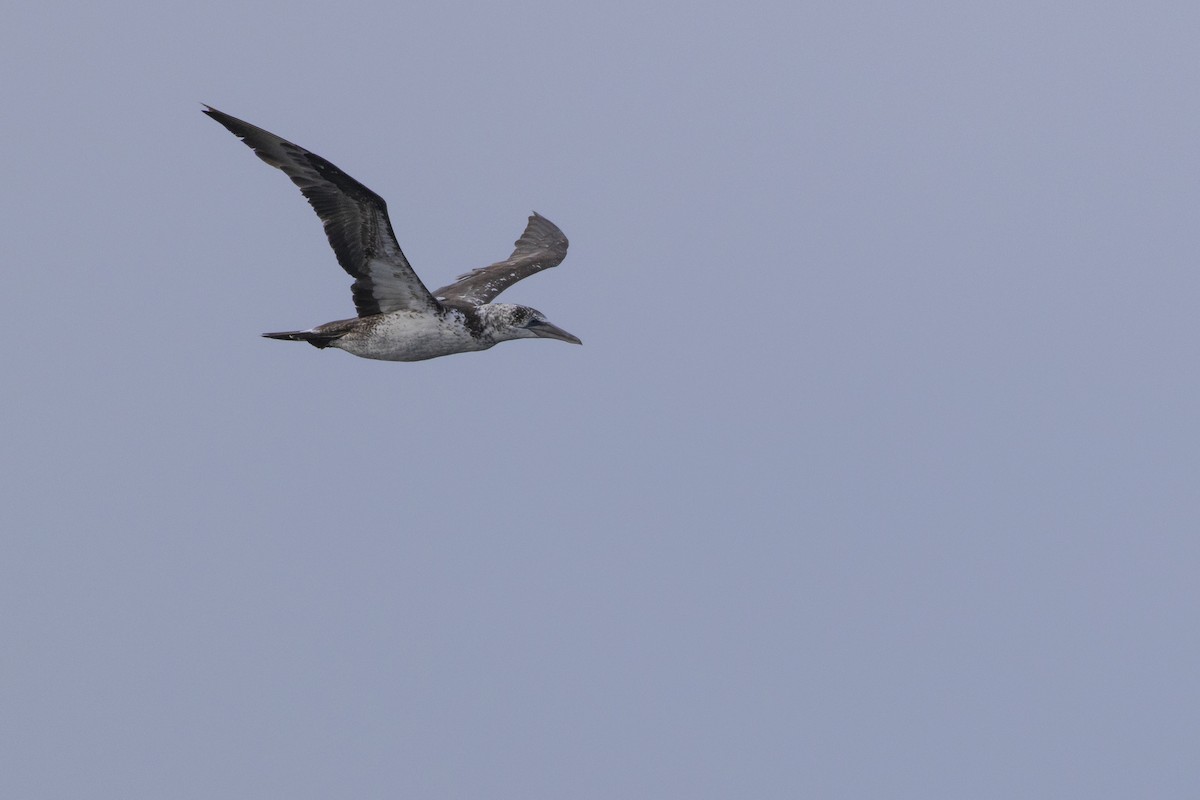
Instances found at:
x=875 y=476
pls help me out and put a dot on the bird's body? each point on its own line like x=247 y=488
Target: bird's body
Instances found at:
x=410 y=335
x=398 y=318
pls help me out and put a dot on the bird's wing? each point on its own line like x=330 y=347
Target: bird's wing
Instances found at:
x=540 y=247
x=356 y=222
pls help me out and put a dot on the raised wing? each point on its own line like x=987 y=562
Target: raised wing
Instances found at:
x=540 y=247
x=356 y=222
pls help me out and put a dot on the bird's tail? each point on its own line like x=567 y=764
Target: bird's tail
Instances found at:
x=319 y=340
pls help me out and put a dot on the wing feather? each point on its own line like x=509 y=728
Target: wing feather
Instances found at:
x=355 y=218
x=540 y=247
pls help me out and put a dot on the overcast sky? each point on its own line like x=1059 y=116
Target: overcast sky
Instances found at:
x=876 y=475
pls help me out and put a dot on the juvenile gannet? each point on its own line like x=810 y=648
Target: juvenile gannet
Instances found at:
x=398 y=318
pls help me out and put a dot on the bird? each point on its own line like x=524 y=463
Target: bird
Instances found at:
x=399 y=319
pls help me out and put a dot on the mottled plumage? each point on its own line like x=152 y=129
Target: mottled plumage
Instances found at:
x=398 y=318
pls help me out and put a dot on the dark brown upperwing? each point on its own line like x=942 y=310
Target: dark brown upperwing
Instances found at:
x=355 y=218
x=540 y=247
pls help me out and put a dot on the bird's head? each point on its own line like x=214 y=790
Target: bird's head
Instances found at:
x=508 y=321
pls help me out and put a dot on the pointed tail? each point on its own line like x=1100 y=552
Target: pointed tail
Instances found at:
x=318 y=340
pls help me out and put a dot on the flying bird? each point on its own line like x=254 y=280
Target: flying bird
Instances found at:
x=398 y=318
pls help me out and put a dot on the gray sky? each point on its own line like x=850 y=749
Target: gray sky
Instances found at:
x=876 y=475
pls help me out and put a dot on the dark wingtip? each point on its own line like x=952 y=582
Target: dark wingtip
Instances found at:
x=219 y=115
x=214 y=114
